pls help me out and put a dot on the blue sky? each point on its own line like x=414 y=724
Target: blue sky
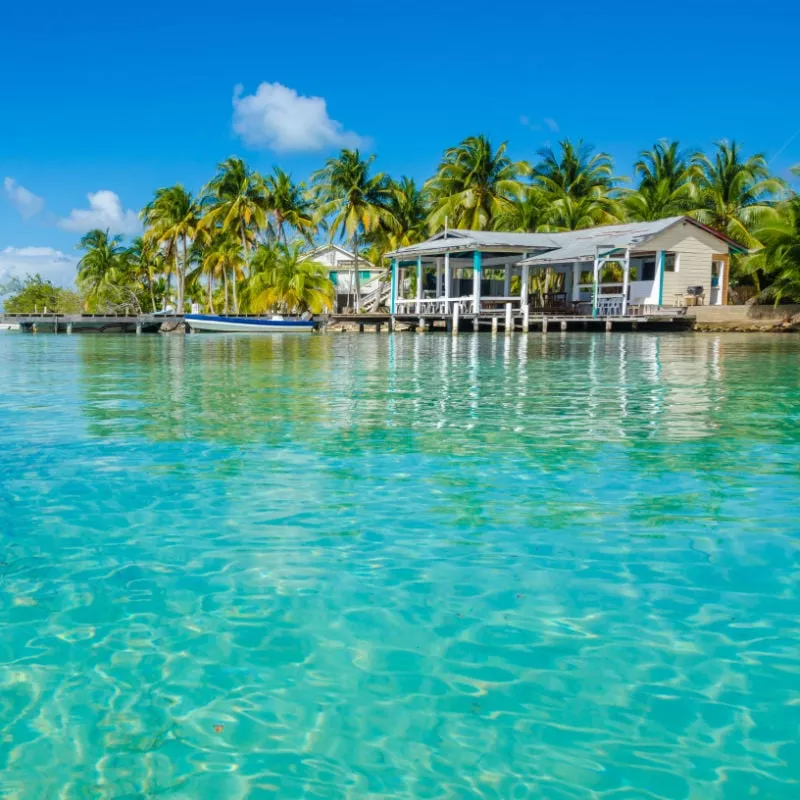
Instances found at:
x=114 y=100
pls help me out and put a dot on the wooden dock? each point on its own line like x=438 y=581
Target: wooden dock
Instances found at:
x=495 y=322
x=93 y=323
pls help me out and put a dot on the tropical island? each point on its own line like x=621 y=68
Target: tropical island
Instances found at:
x=245 y=242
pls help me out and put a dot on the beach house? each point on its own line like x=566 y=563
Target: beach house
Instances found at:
x=340 y=264
x=637 y=267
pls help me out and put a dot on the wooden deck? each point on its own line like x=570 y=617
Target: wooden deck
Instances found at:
x=91 y=323
x=495 y=321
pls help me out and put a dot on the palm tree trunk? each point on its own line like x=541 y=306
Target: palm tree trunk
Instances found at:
x=169 y=288
x=152 y=293
x=182 y=279
x=225 y=285
x=211 y=291
x=358 y=277
x=247 y=263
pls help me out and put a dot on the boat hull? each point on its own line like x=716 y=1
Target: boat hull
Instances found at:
x=206 y=323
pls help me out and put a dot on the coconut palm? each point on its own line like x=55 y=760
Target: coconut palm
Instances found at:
x=736 y=195
x=779 y=258
x=101 y=264
x=147 y=263
x=171 y=219
x=221 y=258
x=237 y=202
x=355 y=202
x=575 y=171
x=667 y=184
x=473 y=185
x=283 y=281
x=288 y=204
x=579 y=186
x=526 y=214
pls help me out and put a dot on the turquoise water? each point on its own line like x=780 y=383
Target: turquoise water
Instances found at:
x=409 y=567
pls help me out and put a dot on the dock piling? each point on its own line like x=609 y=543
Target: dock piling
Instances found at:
x=455 y=318
x=526 y=318
x=494 y=326
x=544 y=324
x=609 y=325
x=563 y=324
x=509 y=327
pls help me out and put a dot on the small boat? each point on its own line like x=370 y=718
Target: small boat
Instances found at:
x=9 y=326
x=210 y=323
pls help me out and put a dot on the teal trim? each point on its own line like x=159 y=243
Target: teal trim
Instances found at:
x=393 y=296
x=660 y=274
x=333 y=277
x=477 y=261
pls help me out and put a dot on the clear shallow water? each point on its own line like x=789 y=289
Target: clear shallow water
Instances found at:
x=412 y=567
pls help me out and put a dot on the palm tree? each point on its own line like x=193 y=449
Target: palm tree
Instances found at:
x=283 y=281
x=288 y=204
x=779 y=258
x=147 y=261
x=221 y=258
x=356 y=202
x=409 y=213
x=578 y=186
x=237 y=202
x=473 y=185
x=736 y=196
x=172 y=217
x=526 y=214
x=101 y=264
x=666 y=183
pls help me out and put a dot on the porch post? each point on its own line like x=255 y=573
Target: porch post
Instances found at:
x=438 y=278
x=476 y=282
x=576 y=280
x=523 y=294
x=595 y=281
x=419 y=283
x=393 y=295
x=660 y=276
x=626 y=280
x=447 y=277
x=507 y=281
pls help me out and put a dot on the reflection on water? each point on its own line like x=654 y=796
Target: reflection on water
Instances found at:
x=556 y=566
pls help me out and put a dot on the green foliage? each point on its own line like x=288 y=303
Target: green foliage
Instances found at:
x=282 y=281
x=474 y=185
x=34 y=294
x=235 y=238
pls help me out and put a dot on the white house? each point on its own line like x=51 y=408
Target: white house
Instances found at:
x=341 y=271
x=610 y=269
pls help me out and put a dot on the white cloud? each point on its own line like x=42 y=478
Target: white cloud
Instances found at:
x=548 y=122
x=51 y=264
x=105 y=211
x=279 y=118
x=551 y=123
x=28 y=204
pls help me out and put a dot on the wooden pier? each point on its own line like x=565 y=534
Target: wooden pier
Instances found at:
x=514 y=322
x=93 y=323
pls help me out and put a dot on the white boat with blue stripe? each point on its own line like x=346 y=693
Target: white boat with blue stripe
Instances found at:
x=211 y=323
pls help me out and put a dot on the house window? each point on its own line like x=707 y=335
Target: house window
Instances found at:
x=364 y=274
x=671 y=262
x=649 y=271
x=334 y=277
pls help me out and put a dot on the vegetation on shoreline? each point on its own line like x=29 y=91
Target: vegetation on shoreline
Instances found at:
x=237 y=246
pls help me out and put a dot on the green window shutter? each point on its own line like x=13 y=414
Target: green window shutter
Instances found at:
x=364 y=275
x=333 y=277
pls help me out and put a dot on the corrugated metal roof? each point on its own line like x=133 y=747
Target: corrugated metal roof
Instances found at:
x=562 y=246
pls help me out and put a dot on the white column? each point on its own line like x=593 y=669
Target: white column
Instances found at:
x=438 y=278
x=523 y=293
x=595 y=281
x=576 y=279
x=419 y=283
x=476 y=283
x=507 y=281
x=626 y=280
x=447 y=276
